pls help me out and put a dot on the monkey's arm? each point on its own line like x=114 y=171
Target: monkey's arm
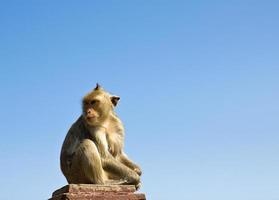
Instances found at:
x=99 y=136
x=123 y=158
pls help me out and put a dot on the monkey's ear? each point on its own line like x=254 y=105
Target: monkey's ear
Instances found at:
x=97 y=87
x=114 y=100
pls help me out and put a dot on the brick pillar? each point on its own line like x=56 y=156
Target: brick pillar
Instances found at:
x=97 y=192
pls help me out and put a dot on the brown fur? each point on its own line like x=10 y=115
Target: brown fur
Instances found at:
x=92 y=151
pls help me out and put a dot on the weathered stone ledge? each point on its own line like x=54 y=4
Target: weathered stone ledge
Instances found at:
x=97 y=192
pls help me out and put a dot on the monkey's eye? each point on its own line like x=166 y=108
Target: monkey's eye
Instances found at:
x=93 y=102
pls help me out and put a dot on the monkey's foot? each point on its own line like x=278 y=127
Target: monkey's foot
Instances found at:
x=138 y=186
x=116 y=182
x=121 y=182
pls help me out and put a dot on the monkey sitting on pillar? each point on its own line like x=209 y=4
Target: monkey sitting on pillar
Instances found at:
x=92 y=151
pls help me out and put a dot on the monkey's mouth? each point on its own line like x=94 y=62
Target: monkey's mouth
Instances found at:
x=90 y=117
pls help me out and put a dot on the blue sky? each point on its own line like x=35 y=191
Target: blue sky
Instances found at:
x=198 y=82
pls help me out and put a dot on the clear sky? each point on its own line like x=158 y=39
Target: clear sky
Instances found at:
x=198 y=82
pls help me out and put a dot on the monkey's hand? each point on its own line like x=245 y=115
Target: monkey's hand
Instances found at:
x=138 y=171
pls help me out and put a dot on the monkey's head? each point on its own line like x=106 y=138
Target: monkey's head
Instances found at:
x=98 y=105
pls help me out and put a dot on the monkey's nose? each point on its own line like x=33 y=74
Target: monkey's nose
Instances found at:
x=90 y=113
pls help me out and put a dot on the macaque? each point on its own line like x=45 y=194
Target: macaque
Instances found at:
x=92 y=151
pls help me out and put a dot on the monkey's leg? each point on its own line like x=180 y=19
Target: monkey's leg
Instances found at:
x=129 y=163
x=87 y=165
x=123 y=172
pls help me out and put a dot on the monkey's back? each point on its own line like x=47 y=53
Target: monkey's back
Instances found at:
x=76 y=134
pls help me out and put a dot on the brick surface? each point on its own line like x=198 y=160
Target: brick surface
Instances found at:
x=97 y=192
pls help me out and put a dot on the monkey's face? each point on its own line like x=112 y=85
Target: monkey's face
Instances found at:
x=97 y=106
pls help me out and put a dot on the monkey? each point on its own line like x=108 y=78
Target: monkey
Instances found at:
x=113 y=126
x=92 y=151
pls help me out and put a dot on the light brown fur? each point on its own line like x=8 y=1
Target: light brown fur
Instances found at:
x=92 y=151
